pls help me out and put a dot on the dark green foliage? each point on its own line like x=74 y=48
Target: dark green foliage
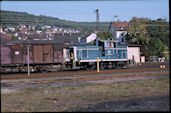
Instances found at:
x=105 y=35
x=156 y=48
x=159 y=29
x=153 y=35
x=92 y=43
x=14 y=38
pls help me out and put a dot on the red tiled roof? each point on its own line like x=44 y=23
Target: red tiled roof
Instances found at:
x=120 y=26
x=6 y=36
x=23 y=31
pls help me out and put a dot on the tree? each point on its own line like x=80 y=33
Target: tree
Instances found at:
x=137 y=33
x=151 y=34
x=106 y=35
x=159 y=28
x=156 y=48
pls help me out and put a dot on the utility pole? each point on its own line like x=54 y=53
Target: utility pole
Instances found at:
x=97 y=19
x=114 y=17
x=28 y=59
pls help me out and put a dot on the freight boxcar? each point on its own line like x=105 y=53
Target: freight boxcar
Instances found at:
x=110 y=54
x=43 y=55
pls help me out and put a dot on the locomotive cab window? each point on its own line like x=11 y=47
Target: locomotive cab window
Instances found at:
x=102 y=44
x=103 y=48
x=114 y=44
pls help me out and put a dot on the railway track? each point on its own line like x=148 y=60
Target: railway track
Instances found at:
x=76 y=73
x=84 y=76
x=142 y=66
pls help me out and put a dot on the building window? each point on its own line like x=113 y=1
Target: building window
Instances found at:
x=121 y=28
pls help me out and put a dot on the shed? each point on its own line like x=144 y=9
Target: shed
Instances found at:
x=133 y=53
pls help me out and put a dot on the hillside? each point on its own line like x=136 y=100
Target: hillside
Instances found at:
x=13 y=18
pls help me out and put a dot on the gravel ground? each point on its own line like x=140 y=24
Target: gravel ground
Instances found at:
x=21 y=84
x=128 y=95
x=161 y=103
x=17 y=88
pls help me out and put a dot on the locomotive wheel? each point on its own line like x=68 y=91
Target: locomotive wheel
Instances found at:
x=61 y=69
x=101 y=67
x=93 y=67
x=90 y=67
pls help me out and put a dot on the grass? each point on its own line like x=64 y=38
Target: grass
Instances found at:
x=69 y=98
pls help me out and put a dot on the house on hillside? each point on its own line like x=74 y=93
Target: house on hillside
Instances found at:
x=10 y=28
x=119 y=30
x=23 y=26
x=1 y=30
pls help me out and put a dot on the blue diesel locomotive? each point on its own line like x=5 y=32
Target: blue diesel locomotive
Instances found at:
x=110 y=53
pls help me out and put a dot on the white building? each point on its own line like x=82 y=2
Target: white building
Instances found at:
x=16 y=34
x=38 y=32
x=10 y=28
x=89 y=38
x=134 y=53
x=118 y=29
x=22 y=26
x=120 y=36
x=1 y=30
x=47 y=27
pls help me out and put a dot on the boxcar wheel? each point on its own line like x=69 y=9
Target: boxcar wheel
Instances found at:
x=42 y=70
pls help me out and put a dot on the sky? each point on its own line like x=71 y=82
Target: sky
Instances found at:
x=84 y=11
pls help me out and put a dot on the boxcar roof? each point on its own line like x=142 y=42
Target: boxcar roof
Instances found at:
x=30 y=42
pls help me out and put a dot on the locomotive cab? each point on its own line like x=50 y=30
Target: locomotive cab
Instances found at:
x=110 y=54
x=106 y=44
x=69 y=56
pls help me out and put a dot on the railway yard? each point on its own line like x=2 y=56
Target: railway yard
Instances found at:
x=142 y=87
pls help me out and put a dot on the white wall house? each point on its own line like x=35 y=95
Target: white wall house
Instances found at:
x=91 y=37
x=134 y=53
x=120 y=35
x=47 y=27
x=1 y=30
x=118 y=29
x=38 y=32
x=10 y=28
x=88 y=39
